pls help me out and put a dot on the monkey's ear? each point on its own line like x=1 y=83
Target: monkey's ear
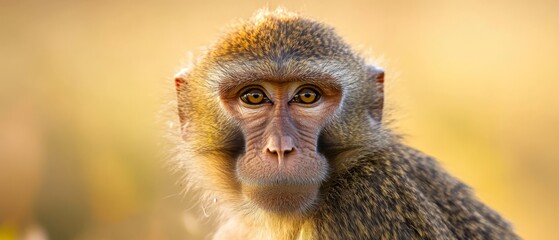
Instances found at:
x=180 y=78
x=180 y=85
x=376 y=76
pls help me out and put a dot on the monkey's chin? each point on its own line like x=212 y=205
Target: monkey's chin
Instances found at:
x=281 y=199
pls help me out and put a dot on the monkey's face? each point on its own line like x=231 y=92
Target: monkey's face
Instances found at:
x=281 y=169
x=253 y=107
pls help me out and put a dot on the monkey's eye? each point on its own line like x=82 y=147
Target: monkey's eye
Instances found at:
x=306 y=96
x=254 y=96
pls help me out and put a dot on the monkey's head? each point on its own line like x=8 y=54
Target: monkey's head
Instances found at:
x=270 y=108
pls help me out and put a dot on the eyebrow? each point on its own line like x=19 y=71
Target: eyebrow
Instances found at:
x=233 y=82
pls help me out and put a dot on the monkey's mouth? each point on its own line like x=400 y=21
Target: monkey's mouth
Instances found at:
x=282 y=199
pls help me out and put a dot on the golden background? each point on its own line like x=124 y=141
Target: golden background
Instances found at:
x=473 y=83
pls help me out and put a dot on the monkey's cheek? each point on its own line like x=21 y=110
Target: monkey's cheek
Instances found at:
x=282 y=199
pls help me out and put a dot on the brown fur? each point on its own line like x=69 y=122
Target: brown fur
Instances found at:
x=375 y=188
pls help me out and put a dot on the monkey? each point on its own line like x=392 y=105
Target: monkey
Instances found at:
x=281 y=130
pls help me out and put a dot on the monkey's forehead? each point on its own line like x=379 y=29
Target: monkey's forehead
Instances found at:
x=280 y=36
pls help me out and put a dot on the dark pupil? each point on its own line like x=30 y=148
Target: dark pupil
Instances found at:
x=256 y=95
x=308 y=94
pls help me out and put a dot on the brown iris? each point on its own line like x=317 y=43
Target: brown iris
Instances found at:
x=306 y=96
x=254 y=96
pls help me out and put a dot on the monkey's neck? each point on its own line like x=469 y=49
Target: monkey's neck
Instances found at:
x=264 y=226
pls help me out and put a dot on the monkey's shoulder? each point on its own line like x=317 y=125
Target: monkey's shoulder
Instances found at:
x=461 y=211
x=405 y=194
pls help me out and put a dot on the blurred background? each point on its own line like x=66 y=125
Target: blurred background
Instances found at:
x=473 y=83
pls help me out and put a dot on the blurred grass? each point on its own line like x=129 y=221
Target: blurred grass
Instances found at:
x=82 y=83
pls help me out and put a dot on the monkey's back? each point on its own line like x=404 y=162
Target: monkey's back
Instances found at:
x=401 y=193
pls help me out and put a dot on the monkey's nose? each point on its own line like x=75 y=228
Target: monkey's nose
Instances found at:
x=280 y=146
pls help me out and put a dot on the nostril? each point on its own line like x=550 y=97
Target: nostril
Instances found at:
x=288 y=150
x=272 y=151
